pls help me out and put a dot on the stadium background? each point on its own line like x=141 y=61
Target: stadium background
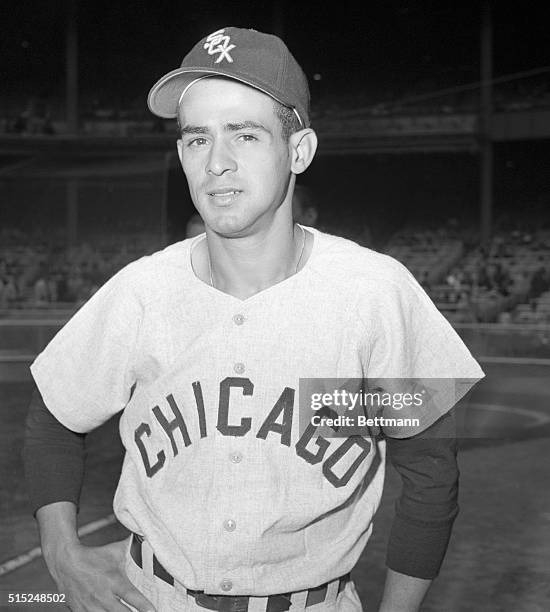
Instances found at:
x=109 y=193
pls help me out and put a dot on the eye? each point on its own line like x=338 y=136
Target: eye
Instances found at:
x=196 y=142
x=247 y=137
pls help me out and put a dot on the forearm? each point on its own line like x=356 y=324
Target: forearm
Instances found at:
x=403 y=593
x=91 y=577
x=57 y=525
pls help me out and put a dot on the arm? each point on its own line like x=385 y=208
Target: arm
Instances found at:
x=425 y=513
x=53 y=457
x=92 y=578
x=403 y=593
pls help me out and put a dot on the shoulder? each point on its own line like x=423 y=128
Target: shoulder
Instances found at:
x=359 y=266
x=170 y=257
x=155 y=272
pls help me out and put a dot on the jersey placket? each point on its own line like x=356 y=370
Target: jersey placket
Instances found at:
x=228 y=534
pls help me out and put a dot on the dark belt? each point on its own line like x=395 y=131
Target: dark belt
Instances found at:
x=232 y=603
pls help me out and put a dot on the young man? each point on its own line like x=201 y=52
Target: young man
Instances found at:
x=232 y=504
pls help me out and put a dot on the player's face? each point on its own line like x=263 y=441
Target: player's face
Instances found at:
x=234 y=157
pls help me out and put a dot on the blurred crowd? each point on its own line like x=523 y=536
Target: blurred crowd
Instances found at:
x=428 y=254
x=40 y=274
x=491 y=282
x=506 y=281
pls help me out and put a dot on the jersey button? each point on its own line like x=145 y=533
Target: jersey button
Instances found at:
x=230 y=525
x=236 y=457
x=226 y=585
x=238 y=319
x=239 y=368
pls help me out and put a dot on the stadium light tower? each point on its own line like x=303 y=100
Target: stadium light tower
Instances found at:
x=485 y=120
x=71 y=111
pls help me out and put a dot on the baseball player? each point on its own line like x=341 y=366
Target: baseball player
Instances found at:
x=231 y=503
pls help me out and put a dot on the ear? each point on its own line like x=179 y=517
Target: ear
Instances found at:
x=303 y=145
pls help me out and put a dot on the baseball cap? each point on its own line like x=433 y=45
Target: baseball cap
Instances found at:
x=260 y=60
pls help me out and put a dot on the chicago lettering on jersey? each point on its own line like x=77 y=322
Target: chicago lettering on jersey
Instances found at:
x=312 y=448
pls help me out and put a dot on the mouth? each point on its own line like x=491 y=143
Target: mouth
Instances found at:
x=224 y=196
x=225 y=191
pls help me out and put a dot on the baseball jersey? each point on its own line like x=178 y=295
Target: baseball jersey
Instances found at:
x=233 y=495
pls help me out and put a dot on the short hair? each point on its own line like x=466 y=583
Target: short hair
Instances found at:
x=288 y=118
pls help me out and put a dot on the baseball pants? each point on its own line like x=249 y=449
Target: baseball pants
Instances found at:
x=167 y=598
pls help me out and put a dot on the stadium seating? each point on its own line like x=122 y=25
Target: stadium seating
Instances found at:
x=427 y=254
x=35 y=274
x=506 y=281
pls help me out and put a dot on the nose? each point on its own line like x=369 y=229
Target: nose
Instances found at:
x=220 y=159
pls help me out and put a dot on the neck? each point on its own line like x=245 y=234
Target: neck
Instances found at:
x=251 y=264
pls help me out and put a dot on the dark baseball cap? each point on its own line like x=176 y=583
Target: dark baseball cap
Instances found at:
x=260 y=60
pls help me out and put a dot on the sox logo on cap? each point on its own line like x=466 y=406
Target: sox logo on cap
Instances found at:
x=218 y=43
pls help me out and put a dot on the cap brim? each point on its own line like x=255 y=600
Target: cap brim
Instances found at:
x=164 y=97
x=165 y=93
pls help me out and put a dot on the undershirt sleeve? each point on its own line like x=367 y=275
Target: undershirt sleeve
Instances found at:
x=53 y=457
x=428 y=505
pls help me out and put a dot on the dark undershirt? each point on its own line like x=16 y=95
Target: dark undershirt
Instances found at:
x=424 y=513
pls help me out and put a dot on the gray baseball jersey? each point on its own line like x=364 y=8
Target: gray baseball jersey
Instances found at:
x=231 y=494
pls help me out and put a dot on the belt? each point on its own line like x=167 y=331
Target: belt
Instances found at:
x=232 y=603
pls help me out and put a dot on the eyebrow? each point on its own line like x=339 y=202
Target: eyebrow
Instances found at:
x=228 y=127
